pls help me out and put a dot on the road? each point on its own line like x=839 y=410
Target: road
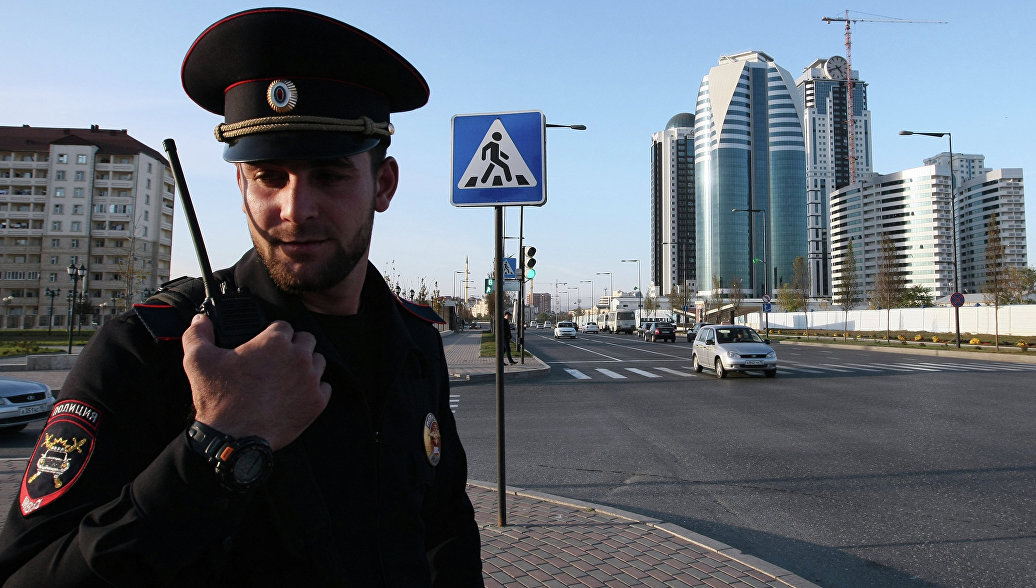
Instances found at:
x=850 y=468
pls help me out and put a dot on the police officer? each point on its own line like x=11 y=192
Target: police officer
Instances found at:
x=320 y=452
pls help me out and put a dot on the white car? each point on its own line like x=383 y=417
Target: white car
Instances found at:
x=733 y=348
x=547 y=325
x=565 y=329
x=591 y=328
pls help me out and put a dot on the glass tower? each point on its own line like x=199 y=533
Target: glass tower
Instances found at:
x=672 y=205
x=749 y=155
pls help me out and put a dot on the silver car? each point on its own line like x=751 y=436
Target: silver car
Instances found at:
x=733 y=348
x=23 y=402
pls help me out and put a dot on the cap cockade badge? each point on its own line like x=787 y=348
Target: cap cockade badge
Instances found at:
x=282 y=96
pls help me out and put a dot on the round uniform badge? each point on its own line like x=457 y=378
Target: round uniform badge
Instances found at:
x=432 y=439
x=282 y=96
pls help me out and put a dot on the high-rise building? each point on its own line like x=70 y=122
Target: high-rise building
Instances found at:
x=96 y=198
x=672 y=206
x=749 y=155
x=823 y=89
x=912 y=208
x=999 y=192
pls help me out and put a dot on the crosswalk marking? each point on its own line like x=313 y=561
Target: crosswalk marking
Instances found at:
x=646 y=374
x=795 y=368
x=674 y=372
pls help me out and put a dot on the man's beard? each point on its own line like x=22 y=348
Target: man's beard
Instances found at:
x=316 y=275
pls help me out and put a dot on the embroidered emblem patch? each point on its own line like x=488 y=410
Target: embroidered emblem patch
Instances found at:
x=282 y=96
x=432 y=439
x=61 y=454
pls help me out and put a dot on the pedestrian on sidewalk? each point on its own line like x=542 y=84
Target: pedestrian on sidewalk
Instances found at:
x=507 y=336
x=320 y=452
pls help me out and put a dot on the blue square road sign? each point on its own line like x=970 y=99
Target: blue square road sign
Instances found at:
x=499 y=159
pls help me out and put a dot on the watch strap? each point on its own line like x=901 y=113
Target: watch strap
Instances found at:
x=205 y=440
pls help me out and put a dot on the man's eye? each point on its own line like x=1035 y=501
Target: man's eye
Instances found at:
x=269 y=178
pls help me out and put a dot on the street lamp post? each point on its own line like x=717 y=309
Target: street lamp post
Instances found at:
x=593 y=305
x=953 y=214
x=640 y=290
x=52 y=294
x=76 y=274
x=557 y=301
x=7 y=308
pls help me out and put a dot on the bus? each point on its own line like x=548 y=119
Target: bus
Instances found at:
x=620 y=321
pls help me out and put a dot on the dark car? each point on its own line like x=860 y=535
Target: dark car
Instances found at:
x=693 y=331
x=660 y=331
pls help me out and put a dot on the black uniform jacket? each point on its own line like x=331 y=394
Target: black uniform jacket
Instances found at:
x=355 y=501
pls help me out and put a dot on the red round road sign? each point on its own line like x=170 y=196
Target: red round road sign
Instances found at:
x=957 y=299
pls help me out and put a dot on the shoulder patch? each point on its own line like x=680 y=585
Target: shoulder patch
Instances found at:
x=61 y=455
x=421 y=311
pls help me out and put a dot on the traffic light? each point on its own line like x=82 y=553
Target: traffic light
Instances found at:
x=489 y=285
x=529 y=262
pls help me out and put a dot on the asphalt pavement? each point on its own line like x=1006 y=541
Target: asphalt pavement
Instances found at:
x=547 y=540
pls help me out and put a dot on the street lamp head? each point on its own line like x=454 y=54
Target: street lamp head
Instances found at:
x=906 y=132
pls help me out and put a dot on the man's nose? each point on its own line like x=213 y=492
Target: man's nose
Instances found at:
x=298 y=202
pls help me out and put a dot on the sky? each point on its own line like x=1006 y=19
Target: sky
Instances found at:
x=623 y=69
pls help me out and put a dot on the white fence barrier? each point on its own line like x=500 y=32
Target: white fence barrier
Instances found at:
x=1017 y=321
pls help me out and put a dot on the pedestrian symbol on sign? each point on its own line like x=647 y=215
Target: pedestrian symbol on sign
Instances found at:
x=496 y=163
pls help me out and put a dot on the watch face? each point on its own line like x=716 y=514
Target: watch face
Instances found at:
x=250 y=465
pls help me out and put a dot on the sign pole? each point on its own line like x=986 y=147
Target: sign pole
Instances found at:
x=501 y=485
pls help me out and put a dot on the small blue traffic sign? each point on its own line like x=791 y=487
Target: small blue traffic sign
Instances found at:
x=510 y=268
x=767 y=307
x=498 y=159
x=957 y=299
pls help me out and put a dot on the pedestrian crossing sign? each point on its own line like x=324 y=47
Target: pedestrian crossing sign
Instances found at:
x=498 y=159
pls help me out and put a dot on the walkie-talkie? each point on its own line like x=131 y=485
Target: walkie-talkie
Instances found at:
x=236 y=316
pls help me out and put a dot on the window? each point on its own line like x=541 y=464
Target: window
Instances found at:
x=60 y=175
x=77 y=209
x=59 y=192
x=74 y=244
x=55 y=243
x=55 y=226
x=98 y=242
x=59 y=209
x=80 y=176
x=62 y=158
x=77 y=226
x=53 y=260
x=80 y=158
x=77 y=193
x=98 y=259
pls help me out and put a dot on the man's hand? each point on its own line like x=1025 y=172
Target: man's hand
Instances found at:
x=269 y=386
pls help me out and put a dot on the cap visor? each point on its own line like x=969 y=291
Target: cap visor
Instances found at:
x=296 y=145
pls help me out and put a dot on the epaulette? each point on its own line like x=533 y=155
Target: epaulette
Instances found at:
x=421 y=311
x=168 y=313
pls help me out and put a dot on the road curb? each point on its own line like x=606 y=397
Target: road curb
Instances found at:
x=698 y=539
x=1013 y=357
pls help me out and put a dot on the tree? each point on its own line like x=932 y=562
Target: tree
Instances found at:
x=917 y=296
x=847 y=292
x=717 y=297
x=996 y=277
x=737 y=296
x=889 y=284
x=679 y=298
x=650 y=305
x=788 y=298
x=800 y=286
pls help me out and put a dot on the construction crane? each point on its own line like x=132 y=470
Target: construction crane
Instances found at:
x=849 y=74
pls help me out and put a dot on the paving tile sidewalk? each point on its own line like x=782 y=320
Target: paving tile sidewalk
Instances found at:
x=466 y=366
x=554 y=541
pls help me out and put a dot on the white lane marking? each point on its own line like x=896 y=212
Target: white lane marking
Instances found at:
x=577 y=374
x=611 y=374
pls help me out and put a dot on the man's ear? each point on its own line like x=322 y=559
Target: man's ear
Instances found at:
x=386 y=179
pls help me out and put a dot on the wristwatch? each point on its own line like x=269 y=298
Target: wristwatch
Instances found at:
x=240 y=464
